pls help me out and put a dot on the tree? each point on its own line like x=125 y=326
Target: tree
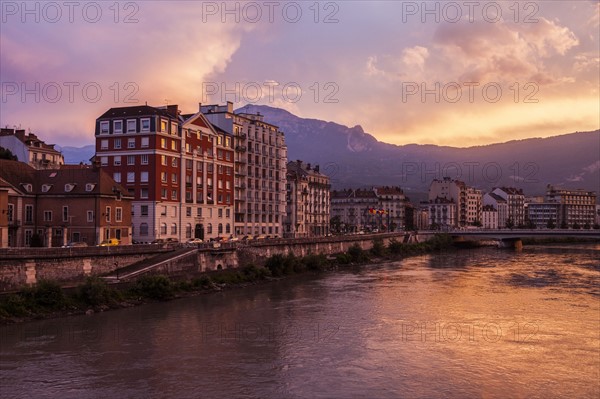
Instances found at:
x=336 y=224
x=551 y=224
x=509 y=223
x=564 y=225
x=587 y=226
x=576 y=226
x=5 y=153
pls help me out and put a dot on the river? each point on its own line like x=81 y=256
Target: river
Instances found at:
x=473 y=323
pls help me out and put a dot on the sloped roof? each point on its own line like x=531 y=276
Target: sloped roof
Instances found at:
x=140 y=110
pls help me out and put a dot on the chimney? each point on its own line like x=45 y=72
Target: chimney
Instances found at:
x=229 y=107
x=317 y=168
x=307 y=166
x=173 y=110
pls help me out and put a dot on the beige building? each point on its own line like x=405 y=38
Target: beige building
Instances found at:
x=515 y=201
x=575 y=207
x=499 y=203
x=468 y=200
x=30 y=149
x=308 y=201
x=260 y=170
x=442 y=213
x=490 y=217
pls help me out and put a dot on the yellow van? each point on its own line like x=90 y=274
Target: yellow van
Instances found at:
x=111 y=242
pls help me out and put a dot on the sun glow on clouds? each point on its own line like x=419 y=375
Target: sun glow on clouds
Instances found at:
x=170 y=52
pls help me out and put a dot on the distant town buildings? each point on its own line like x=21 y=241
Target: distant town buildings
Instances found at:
x=490 y=217
x=52 y=207
x=28 y=148
x=468 y=200
x=442 y=213
x=501 y=206
x=308 y=201
x=575 y=207
x=515 y=201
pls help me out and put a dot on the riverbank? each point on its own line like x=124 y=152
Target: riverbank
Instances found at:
x=47 y=299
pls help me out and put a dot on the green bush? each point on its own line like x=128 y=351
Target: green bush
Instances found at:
x=343 y=259
x=154 y=287
x=378 y=249
x=202 y=282
x=95 y=292
x=45 y=294
x=280 y=265
x=395 y=247
x=14 y=306
x=316 y=263
x=357 y=254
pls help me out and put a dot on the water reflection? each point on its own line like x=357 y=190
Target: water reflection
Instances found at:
x=484 y=323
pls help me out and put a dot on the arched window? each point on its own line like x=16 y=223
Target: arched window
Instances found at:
x=163 y=228
x=188 y=230
x=220 y=228
x=227 y=228
x=209 y=228
x=174 y=228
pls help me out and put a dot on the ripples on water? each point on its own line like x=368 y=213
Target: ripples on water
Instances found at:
x=482 y=323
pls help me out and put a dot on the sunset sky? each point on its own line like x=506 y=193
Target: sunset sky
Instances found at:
x=526 y=69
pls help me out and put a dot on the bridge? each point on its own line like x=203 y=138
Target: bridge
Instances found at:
x=513 y=238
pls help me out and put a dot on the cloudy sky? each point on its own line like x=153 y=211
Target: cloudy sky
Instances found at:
x=448 y=73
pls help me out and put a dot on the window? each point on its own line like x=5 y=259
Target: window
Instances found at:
x=117 y=160
x=144 y=193
x=104 y=126
x=28 y=213
x=89 y=187
x=227 y=212
x=189 y=164
x=220 y=229
x=46 y=187
x=174 y=228
x=104 y=161
x=163 y=126
x=174 y=178
x=117 y=126
x=174 y=162
x=199 y=212
x=174 y=129
x=144 y=177
x=174 y=194
x=117 y=144
x=144 y=229
x=47 y=216
x=117 y=177
x=209 y=228
x=188 y=211
x=131 y=126
x=227 y=228
x=145 y=122
x=163 y=160
x=65 y=214
x=145 y=142
x=163 y=228
x=131 y=143
x=220 y=212
x=28 y=235
x=163 y=193
x=11 y=212
x=104 y=144
x=90 y=216
x=130 y=177
x=144 y=159
x=118 y=214
x=107 y=214
x=188 y=230
x=163 y=143
x=144 y=210
x=130 y=159
x=163 y=177
x=173 y=145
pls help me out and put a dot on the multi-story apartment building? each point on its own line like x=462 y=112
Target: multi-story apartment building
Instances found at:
x=515 y=201
x=442 y=213
x=382 y=208
x=308 y=201
x=575 y=207
x=178 y=168
x=353 y=209
x=500 y=204
x=260 y=169
x=30 y=149
x=468 y=200
x=542 y=214
x=73 y=203
x=393 y=201
x=490 y=217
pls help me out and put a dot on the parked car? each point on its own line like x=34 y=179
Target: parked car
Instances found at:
x=195 y=241
x=158 y=241
x=75 y=244
x=172 y=240
x=111 y=242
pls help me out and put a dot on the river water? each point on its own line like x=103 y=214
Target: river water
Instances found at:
x=483 y=323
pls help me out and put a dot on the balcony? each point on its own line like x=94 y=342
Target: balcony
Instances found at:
x=240 y=148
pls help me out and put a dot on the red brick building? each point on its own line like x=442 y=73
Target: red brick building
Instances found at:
x=178 y=168
x=73 y=203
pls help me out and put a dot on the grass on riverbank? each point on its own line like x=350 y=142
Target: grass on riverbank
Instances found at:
x=47 y=298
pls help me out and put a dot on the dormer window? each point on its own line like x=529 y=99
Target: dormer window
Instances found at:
x=104 y=127
x=46 y=187
x=69 y=187
x=118 y=126
x=89 y=187
x=28 y=187
x=131 y=126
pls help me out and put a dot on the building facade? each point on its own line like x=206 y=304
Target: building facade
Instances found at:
x=468 y=200
x=73 y=203
x=575 y=207
x=308 y=201
x=490 y=217
x=515 y=201
x=179 y=169
x=29 y=149
x=499 y=203
x=260 y=170
x=442 y=214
